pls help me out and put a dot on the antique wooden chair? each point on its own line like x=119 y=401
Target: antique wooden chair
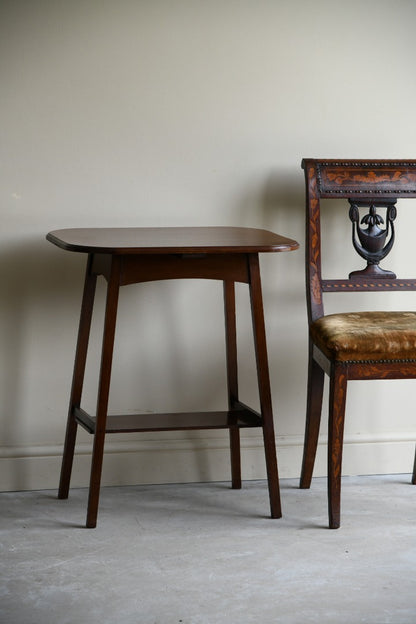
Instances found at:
x=362 y=345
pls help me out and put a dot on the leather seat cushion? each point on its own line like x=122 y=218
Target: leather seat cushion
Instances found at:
x=359 y=336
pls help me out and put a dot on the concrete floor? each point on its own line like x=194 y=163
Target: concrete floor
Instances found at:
x=205 y=554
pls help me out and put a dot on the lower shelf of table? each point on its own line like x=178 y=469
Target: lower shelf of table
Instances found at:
x=240 y=417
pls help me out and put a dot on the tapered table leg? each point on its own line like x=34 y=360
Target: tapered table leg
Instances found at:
x=103 y=391
x=264 y=385
x=78 y=378
x=232 y=378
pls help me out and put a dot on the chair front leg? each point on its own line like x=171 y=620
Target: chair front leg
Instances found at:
x=313 y=419
x=337 y=401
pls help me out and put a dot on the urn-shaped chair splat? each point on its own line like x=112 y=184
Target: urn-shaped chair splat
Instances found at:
x=373 y=242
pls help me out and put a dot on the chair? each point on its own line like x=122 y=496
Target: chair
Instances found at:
x=362 y=345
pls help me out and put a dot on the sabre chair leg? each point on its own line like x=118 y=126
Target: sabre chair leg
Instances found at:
x=337 y=401
x=264 y=385
x=77 y=379
x=232 y=379
x=103 y=392
x=313 y=420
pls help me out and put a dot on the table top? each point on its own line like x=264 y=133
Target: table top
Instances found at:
x=170 y=240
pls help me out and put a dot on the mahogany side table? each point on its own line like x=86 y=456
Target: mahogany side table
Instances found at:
x=133 y=255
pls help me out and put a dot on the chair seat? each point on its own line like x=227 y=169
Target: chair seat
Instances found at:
x=363 y=336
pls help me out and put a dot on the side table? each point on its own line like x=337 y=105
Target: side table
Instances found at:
x=133 y=255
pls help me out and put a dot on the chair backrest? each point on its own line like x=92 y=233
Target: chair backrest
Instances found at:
x=365 y=186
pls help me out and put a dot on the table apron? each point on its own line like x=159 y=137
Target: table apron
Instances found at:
x=135 y=268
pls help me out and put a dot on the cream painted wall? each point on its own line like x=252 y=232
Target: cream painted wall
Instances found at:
x=181 y=112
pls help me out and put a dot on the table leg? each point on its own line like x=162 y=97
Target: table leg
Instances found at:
x=78 y=378
x=264 y=385
x=103 y=391
x=232 y=379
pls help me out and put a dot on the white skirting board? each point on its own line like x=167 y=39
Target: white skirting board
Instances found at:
x=187 y=460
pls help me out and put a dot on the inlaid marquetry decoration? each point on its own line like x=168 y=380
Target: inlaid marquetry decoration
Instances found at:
x=371 y=240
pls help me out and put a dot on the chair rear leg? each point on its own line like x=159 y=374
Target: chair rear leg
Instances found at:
x=313 y=420
x=337 y=401
x=414 y=472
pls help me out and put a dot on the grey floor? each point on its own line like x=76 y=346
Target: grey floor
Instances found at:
x=205 y=554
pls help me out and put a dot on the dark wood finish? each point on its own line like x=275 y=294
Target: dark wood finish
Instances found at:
x=103 y=391
x=316 y=376
x=336 y=417
x=373 y=243
x=377 y=183
x=78 y=377
x=240 y=417
x=133 y=255
x=264 y=384
x=232 y=379
x=170 y=240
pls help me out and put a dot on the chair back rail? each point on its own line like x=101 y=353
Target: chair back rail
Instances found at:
x=366 y=185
